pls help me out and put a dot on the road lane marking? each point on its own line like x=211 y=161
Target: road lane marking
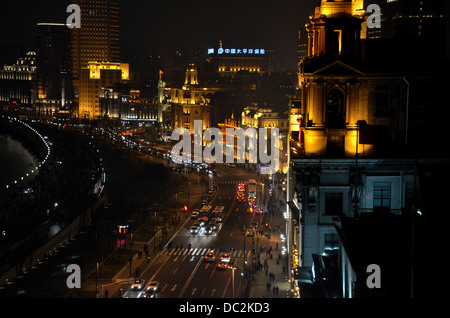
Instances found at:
x=190 y=278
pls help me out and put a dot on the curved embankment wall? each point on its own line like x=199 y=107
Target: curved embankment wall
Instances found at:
x=26 y=135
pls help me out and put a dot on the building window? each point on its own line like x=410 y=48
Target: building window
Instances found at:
x=335 y=109
x=382 y=104
x=381 y=194
x=331 y=242
x=333 y=203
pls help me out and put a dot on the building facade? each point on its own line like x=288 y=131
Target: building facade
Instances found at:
x=98 y=38
x=229 y=61
x=94 y=78
x=54 y=68
x=357 y=141
x=128 y=105
x=180 y=107
x=18 y=82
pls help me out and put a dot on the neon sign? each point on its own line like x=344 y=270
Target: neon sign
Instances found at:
x=238 y=51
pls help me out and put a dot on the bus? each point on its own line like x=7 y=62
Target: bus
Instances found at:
x=205 y=210
x=252 y=189
x=218 y=210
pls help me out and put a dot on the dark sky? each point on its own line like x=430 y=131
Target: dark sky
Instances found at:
x=169 y=25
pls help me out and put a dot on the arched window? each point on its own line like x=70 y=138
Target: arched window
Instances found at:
x=335 y=109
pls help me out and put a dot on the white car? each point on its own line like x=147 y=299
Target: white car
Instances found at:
x=150 y=290
x=138 y=284
x=152 y=285
x=194 y=229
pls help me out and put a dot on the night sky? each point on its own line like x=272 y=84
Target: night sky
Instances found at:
x=170 y=25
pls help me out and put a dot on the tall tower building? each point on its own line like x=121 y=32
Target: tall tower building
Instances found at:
x=419 y=24
x=54 y=66
x=98 y=37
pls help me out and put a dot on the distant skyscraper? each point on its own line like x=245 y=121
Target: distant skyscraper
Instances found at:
x=98 y=37
x=302 y=47
x=54 y=65
x=410 y=18
x=97 y=40
x=414 y=20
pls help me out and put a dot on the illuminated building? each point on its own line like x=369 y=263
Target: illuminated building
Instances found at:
x=127 y=105
x=230 y=61
x=97 y=39
x=262 y=117
x=53 y=61
x=93 y=78
x=181 y=106
x=231 y=123
x=361 y=129
x=17 y=86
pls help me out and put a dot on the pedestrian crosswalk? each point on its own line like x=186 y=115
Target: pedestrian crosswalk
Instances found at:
x=227 y=181
x=200 y=252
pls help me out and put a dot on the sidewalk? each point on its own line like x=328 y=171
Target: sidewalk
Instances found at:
x=265 y=285
x=267 y=279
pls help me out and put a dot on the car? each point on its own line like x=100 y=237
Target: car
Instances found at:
x=194 y=215
x=225 y=257
x=150 y=290
x=213 y=224
x=222 y=265
x=138 y=284
x=203 y=221
x=149 y=293
x=154 y=285
x=194 y=229
x=208 y=230
x=210 y=257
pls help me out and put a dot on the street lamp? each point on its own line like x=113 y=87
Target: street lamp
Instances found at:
x=232 y=267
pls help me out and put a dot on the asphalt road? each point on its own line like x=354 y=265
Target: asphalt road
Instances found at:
x=183 y=273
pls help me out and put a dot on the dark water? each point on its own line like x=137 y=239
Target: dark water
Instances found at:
x=15 y=161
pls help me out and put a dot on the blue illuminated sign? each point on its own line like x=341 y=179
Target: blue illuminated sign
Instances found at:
x=237 y=51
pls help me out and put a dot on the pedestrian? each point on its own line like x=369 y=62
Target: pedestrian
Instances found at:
x=106 y=293
x=276 y=290
x=273 y=290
